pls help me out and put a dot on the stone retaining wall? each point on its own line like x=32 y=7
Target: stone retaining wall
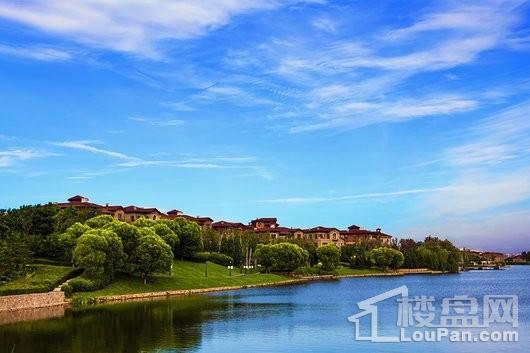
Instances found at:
x=31 y=301
x=129 y=297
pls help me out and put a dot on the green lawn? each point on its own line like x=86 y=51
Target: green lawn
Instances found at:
x=186 y=275
x=344 y=271
x=43 y=279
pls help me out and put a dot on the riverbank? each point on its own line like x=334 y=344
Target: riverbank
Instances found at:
x=189 y=278
x=353 y=273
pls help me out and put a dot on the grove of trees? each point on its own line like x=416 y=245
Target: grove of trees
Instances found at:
x=104 y=246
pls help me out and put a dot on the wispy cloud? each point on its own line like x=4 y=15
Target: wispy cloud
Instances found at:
x=128 y=162
x=498 y=138
x=309 y=200
x=37 y=53
x=158 y=122
x=137 y=27
x=9 y=157
x=87 y=146
x=477 y=191
x=6 y=138
x=325 y=24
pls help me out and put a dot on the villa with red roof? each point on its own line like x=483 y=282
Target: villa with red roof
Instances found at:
x=319 y=235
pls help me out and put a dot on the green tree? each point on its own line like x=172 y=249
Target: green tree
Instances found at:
x=408 y=248
x=99 y=221
x=34 y=224
x=68 y=240
x=189 y=234
x=281 y=257
x=440 y=255
x=385 y=257
x=264 y=257
x=163 y=231
x=130 y=238
x=100 y=252
x=67 y=217
x=360 y=253
x=329 y=256
x=144 y=222
x=153 y=255
x=211 y=240
x=14 y=256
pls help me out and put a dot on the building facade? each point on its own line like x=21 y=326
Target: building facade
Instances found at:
x=319 y=235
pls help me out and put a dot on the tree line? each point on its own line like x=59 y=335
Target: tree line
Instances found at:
x=104 y=246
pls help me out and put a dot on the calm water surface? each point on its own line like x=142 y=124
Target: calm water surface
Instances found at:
x=302 y=318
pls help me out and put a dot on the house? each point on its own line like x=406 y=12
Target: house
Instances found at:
x=323 y=236
x=115 y=211
x=355 y=234
x=264 y=223
x=78 y=201
x=224 y=226
x=204 y=222
x=319 y=235
x=127 y=214
x=132 y=213
x=517 y=259
x=493 y=256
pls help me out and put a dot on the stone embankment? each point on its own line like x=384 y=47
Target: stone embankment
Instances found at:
x=31 y=301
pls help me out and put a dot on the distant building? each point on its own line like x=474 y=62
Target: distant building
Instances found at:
x=224 y=226
x=493 y=256
x=323 y=236
x=319 y=235
x=264 y=223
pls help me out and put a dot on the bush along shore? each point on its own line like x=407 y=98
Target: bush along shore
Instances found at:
x=148 y=256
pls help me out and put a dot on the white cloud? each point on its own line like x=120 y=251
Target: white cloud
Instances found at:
x=86 y=146
x=157 y=122
x=479 y=153
x=476 y=192
x=10 y=157
x=499 y=138
x=37 y=53
x=136 y=26
x=235 y=95
x=361 y=113
x=180 y=106
x=325 y=24
x=319 y=199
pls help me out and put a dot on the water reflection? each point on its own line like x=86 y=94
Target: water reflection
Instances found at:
x=301 y=318
x=153 y=326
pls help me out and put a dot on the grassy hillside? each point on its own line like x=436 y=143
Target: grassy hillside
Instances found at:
x=186 y=275
x=42 y=278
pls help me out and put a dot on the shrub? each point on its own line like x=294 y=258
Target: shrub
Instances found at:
x=67 y=289
x=305 y=271
x=200 y=257
x=81 y=301
x=82 y=285
x=215 y=257
x=220 y=259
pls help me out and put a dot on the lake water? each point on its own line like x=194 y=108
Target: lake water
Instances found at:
x=302 y=318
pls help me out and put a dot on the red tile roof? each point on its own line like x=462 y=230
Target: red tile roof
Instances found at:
x=319 y=229
x=136 y=209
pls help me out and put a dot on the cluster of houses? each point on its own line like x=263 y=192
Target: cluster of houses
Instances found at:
x=318 y=235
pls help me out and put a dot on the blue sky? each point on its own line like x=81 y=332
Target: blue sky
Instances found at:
x=410 y=116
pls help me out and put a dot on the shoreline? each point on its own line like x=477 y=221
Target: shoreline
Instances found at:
x=300 y=280
x=34 y=311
